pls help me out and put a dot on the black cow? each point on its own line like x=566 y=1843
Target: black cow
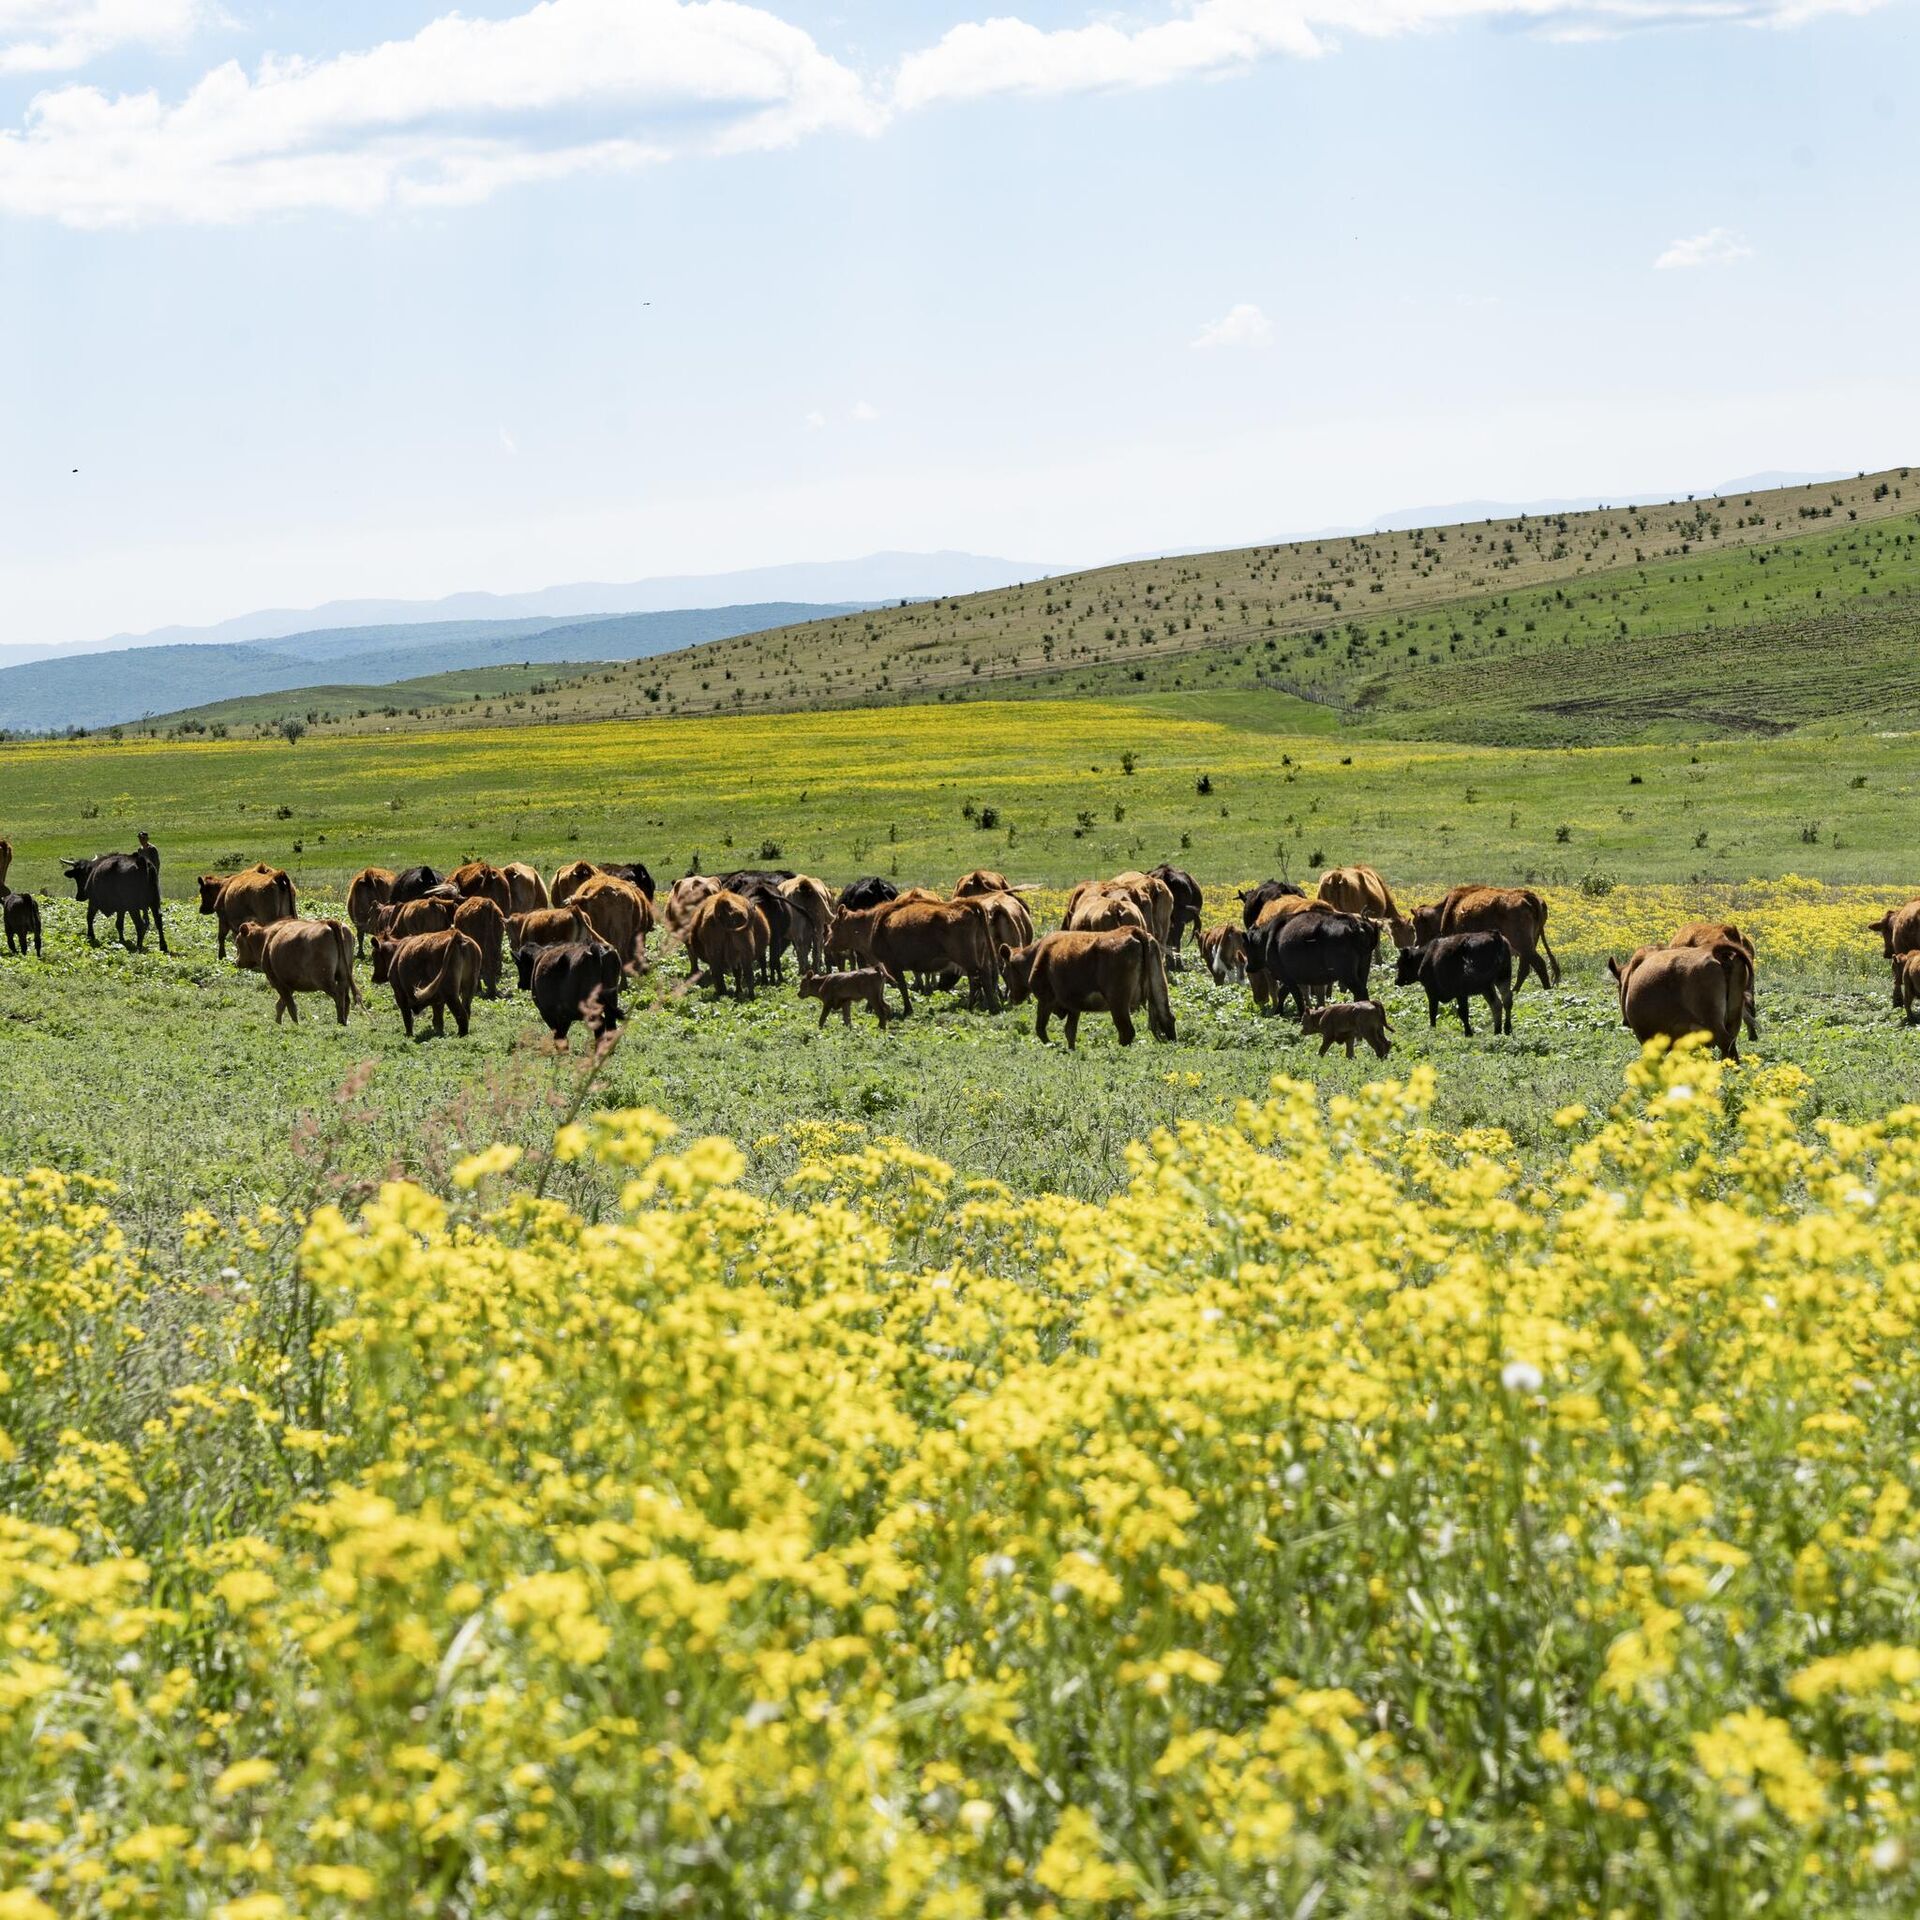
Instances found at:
x=121 y=884
x=1461 y=967
x=574 y=982
x=632 y=872
x=1307 y=951
x=21 y=912
x=1257 y=897
x=413 y=883
x=869 y=892
x=1188 y=905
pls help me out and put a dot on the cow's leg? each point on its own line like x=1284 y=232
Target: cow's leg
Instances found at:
x=406 y=1013
x=160 y=927
x=1123 y=1025
x=1349 y=1046
x=824 y=1010
x=1073 y=1029
x=1433 y=1011
x=92 y=939
x=1466 y=1017
x=340 y=1000
x=846 y=1014
x=220 y=941
x=1326 y=1041
x=463 y=1013
x=1041 y=1011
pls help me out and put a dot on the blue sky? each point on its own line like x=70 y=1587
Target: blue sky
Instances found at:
x=355 y=299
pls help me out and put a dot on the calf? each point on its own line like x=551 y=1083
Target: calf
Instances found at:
x=436 y=970
x=865 y=986
x=22 y=914
x=1461 y=967
x=1224 y=949
x=1347 y=1021
x=1906 y=981
x=579 y=982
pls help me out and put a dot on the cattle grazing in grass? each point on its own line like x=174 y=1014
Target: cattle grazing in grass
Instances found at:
x=300 y=956
x=1097 y=906
x=260 y=893
x=982 y=880
x=810 y=907
x=1224 y=949
x=619 y=913
x=1281 y=906
x=478 y=880
x=1009 y=924
x=1675 y=991
x=1305 y=953
x=579 y=981
x=404 y=919
x=1188 y=905
x=1361 y=890
x=683 y=902
x=1458 y=968
x=126 y=885
x=549 y=927
x=1711 y=933
x=1118 y=973
x=412 y=883
x=762 y=886
x=21 y=912
x=872 y=891
x=1899 y=929
x=1343 y=1022
x=1253 y=899
x=481 y=920
x=863 y=987
x=921 y=936
x=430 y=971
x=1517 y=914
x=526 y=891
x=569 y=880
x=728 y=936
x=369 y=889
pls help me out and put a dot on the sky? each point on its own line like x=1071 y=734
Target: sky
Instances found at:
x=339 y=298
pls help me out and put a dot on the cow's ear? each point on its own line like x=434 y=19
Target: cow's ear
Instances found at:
x=1006 y=953
x=1613 y=966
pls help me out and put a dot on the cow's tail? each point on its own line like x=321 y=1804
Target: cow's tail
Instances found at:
x=1159 y=1007
x=343 y=943
x=1739 y=977
x=283 y=893
x=1552 y=960
x=443 y=981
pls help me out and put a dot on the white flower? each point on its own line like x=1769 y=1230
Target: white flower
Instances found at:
x=1521 y=1376
x=1296 y=1475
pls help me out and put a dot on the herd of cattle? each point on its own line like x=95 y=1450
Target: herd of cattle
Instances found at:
x=438 y=940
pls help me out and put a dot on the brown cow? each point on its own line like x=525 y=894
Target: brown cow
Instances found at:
x=1675 y=991
x=619 y=913
x=370 y=888
x=1076 y=973
x=1281 y=906
x=481 y=920
x=1360 y=890
x=437 y=970
x=1906 y=981
x=1517 y=913
x=1346 y=1021
x=261 y=893
x=570 y=879
x=526 y=891
x=1224 y=949
x=1899 y=929
x=1710 y=933
x=1009 y=924
x=477 y=880
x=1155 y=899
x=982 y=880
x=432 y=913
x=684 y=898
x=863 y=987
x=809 y=908
x=911 y=936
x=300 y=956
x=549 y=927
x=726 y=940
x=1097 y=906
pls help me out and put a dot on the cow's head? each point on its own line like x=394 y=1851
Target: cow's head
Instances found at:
x=524 y=957
x=1016 y=968
x=1426 y=924
x=79 y=872
x=384 y=948
x=813 y=985
x=847 y=934
x=1884 y=928
x=210 y=885
x=1407 y=964
x=249 y=946
x=1405 y=934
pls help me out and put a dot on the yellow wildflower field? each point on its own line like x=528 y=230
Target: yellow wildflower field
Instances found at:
x=1337 y=1519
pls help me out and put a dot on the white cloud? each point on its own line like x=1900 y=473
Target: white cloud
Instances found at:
x=1208 y=37
x=864 y=411
x=1715 y=248
x=814 y=421
x=44 y=36
x=509 y=443
x=1241 y=326
x=461 y=110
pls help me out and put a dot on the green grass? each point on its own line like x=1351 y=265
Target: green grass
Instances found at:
x=391 y=703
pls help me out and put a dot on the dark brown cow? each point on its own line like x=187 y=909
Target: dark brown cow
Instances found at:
x=1518 y=914
x=261 y=893
x=369 y=889
x=569 y=983
x=1675 y=991
x=300 y=956
x=921 y=936
x=1075 y=973
x=437 y=970
x=1189 y=903
x=1899 y=929
x=411 y=918
x=477 y=880
x=480 y=919
x=1254 y=900
x=728 y=935
x=618 y=912
x=863 y=987
x=6 y=860
x=1711 y=933
x=21 y=913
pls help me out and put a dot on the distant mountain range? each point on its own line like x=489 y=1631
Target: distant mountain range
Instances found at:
x=99 y=689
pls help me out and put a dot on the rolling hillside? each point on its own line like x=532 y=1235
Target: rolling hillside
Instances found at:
x=1748 y=612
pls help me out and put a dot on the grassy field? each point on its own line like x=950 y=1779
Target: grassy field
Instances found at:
x=1337 y=617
